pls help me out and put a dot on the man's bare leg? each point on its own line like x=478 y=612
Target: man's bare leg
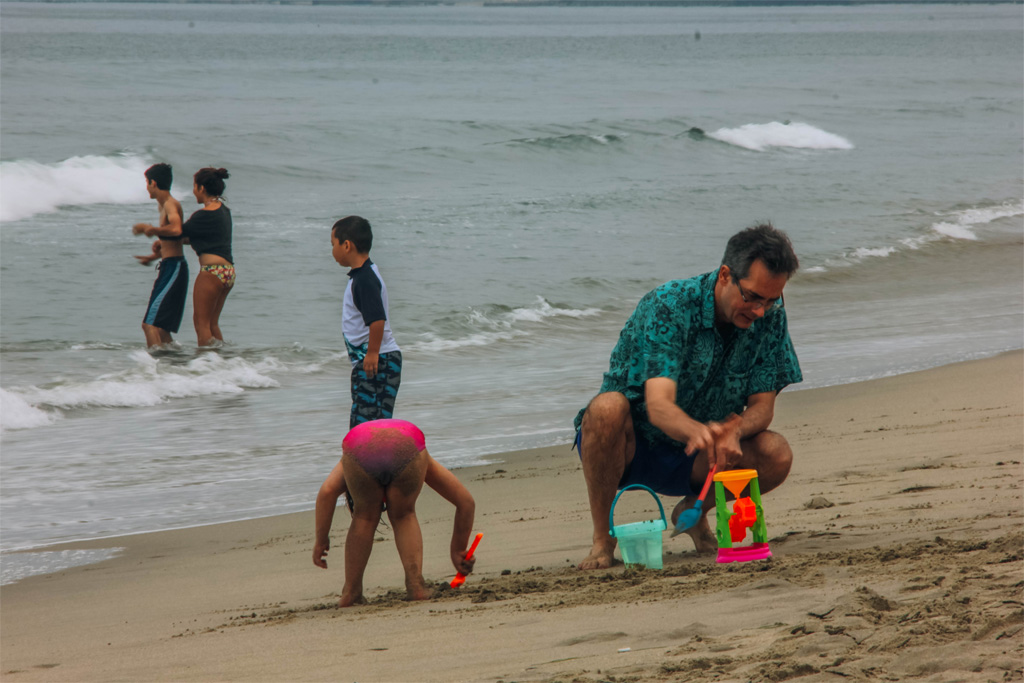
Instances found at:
x=153 y=335
x=767 y=452
x=606 y=448
x=770 y=454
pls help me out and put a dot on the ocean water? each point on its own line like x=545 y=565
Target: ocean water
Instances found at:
x=529 y=172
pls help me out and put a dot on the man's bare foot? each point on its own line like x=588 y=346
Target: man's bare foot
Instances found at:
x=348 y=600
x=602 y=555
x=685 y=504
x=703 y=540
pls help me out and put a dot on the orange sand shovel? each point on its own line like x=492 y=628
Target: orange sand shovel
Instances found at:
x=460 y=578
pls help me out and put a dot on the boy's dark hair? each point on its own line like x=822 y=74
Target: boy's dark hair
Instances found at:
x=161 y=175
x=355 y=229
x=212 y=180
x=763 y=242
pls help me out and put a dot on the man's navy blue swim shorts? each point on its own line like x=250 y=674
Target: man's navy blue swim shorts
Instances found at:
x=658 y=466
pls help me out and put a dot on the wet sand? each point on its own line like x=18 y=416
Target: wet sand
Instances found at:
x=898 y=555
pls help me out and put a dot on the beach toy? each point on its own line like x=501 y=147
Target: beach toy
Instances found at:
x=746 y=513
x=687 y=518
x=460 y=578
x=640 y=542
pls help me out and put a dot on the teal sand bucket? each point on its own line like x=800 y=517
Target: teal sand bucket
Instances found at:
x=640 y=542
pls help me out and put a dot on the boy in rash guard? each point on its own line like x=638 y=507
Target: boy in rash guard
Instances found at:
x=376 y=358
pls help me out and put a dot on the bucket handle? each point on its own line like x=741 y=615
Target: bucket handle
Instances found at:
x=611 y=513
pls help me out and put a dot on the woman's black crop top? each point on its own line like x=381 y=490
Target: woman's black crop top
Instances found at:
x=209 y=232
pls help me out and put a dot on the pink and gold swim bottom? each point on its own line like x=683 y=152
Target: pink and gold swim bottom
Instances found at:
x=383 y=448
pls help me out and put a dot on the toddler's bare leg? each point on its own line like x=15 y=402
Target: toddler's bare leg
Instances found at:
x=367 y=496
x=402 y=494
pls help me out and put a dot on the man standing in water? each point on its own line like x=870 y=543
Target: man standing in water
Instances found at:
x=167 y=300
x=695 y=373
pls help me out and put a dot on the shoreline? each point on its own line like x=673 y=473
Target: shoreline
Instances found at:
x=913 y=558
x=494 y=459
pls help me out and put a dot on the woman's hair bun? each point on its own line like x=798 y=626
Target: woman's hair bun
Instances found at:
x=222 y=173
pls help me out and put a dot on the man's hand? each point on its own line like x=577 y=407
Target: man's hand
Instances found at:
x=700 y=439
x=460 y=562
x=727 y=443
x=154 y=255
x=140 y=228
x=320 y=554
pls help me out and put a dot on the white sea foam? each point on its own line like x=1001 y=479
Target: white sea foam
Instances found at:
x=760 y=136
x=542 y=309
x=571 y=140
x=150 y=382
x=956 y=225
x=964 y=224
x=30 y=188
x=980 y=216
x=957 y=231
x=433 y=343
x=17 y=413
x=493 y=328
x=17 y=566
x=864 y=252
x=97 y=346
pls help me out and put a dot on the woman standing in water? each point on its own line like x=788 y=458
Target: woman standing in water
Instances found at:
x=208 y=230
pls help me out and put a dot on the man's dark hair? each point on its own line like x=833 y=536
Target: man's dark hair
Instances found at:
x=355 y=229
x=763 y=242
x=161 y=175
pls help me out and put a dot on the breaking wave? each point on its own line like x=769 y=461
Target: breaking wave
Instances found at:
x=148 y=383
x=31 y=188
x=495 y=324
x=760 y=136
x=954 y=226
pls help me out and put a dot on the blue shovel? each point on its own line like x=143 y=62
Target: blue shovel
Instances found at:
x=689 y=517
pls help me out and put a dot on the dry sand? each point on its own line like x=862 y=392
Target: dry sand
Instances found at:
x=898 y=555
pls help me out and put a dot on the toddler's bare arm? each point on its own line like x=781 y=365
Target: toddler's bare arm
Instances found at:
x=326 y=501
x=451 y=489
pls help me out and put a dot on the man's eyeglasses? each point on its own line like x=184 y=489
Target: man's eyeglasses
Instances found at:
x=768 y=305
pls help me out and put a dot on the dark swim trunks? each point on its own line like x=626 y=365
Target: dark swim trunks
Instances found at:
x=373 y=398
x=658 y=466
x=167 y=300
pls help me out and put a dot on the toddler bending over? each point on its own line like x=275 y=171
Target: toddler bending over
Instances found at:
x=387 y=460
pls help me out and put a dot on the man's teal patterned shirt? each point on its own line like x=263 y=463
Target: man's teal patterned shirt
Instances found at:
x=672 y=334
